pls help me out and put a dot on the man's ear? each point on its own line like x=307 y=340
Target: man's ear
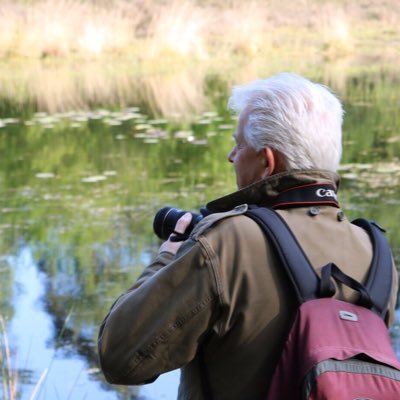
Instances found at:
x=274 y=161
x=270 y=162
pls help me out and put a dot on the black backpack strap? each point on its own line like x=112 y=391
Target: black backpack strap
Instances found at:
x=374 y=294
x=302 y=275
x=328 y=289
x=380 y=276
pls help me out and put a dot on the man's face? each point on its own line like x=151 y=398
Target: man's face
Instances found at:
x=249 y=164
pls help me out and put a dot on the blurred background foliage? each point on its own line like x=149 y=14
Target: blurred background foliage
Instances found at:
x=150 y=29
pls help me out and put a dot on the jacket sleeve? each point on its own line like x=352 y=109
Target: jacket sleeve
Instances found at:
x=158 y=324
x=391 y=315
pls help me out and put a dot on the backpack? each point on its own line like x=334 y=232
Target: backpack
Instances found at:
x=335 y=350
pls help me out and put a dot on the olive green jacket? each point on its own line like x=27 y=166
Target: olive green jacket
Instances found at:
x=221 y=308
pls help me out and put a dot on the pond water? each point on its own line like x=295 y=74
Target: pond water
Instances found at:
x=88 y=159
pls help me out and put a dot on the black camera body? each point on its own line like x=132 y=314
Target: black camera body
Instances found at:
x=166 y=218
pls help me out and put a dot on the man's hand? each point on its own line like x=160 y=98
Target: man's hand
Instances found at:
x=180 y=227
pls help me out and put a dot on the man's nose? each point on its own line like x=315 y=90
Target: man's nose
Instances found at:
x=231 y=155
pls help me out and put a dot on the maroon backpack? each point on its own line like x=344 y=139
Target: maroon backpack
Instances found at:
x=335 y=350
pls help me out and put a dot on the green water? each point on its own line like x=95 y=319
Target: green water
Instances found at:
x=85 y=167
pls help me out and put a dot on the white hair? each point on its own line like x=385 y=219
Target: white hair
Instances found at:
x=300 y=119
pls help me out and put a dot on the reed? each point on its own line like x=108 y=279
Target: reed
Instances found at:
x=9 y=375
x=180 y=31
x=9 y=371
x=201 y=29
x=63 y=28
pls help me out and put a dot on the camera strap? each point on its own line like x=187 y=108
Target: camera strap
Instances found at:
x=310 y=194
x=178 y=237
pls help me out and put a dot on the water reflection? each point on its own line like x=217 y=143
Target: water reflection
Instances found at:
x=80 y=189
x=49 y=366
x=46 y=370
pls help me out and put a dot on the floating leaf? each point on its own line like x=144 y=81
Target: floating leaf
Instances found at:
x=81 y=118
x=156 y=133
x=387 y=168
x=94 y=178
x=143 y=126
x=132 y=109
x=204 y=121
x=158 y=121
x=48 y=120
x=182 y=134
x=199 y=142
x=393 y=139
x=95 y=116
x=210 y=114
x=98 y=114
x=355 y=166
x=345 y=167
x=40 y=114
x=110 y=173
x=226 y=126
x=112 y=122
x=201 y=186
x=45 y=175
x=10 y=120
x=350 y=176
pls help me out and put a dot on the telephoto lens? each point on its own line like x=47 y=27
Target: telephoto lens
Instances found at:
x=166 y=218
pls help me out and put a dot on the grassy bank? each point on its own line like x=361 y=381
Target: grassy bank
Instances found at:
x=201 y=29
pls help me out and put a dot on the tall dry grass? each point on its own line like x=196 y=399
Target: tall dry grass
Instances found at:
x=53 y=88
x=63 y=27
x=181 y=29
x=197 y=28
x=152 y=35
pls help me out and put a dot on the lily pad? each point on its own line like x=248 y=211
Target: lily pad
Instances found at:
x=45 y=175
x=94 y=178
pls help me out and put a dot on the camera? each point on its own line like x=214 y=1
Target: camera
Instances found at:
x=166 y=218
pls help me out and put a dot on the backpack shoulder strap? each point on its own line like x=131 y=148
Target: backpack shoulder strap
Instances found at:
x=300 y=271
x=380 y=276
x=298 y=268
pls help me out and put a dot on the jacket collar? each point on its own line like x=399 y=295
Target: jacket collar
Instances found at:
x=262 y=191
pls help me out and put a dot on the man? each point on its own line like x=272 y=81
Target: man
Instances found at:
x=218 y=305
